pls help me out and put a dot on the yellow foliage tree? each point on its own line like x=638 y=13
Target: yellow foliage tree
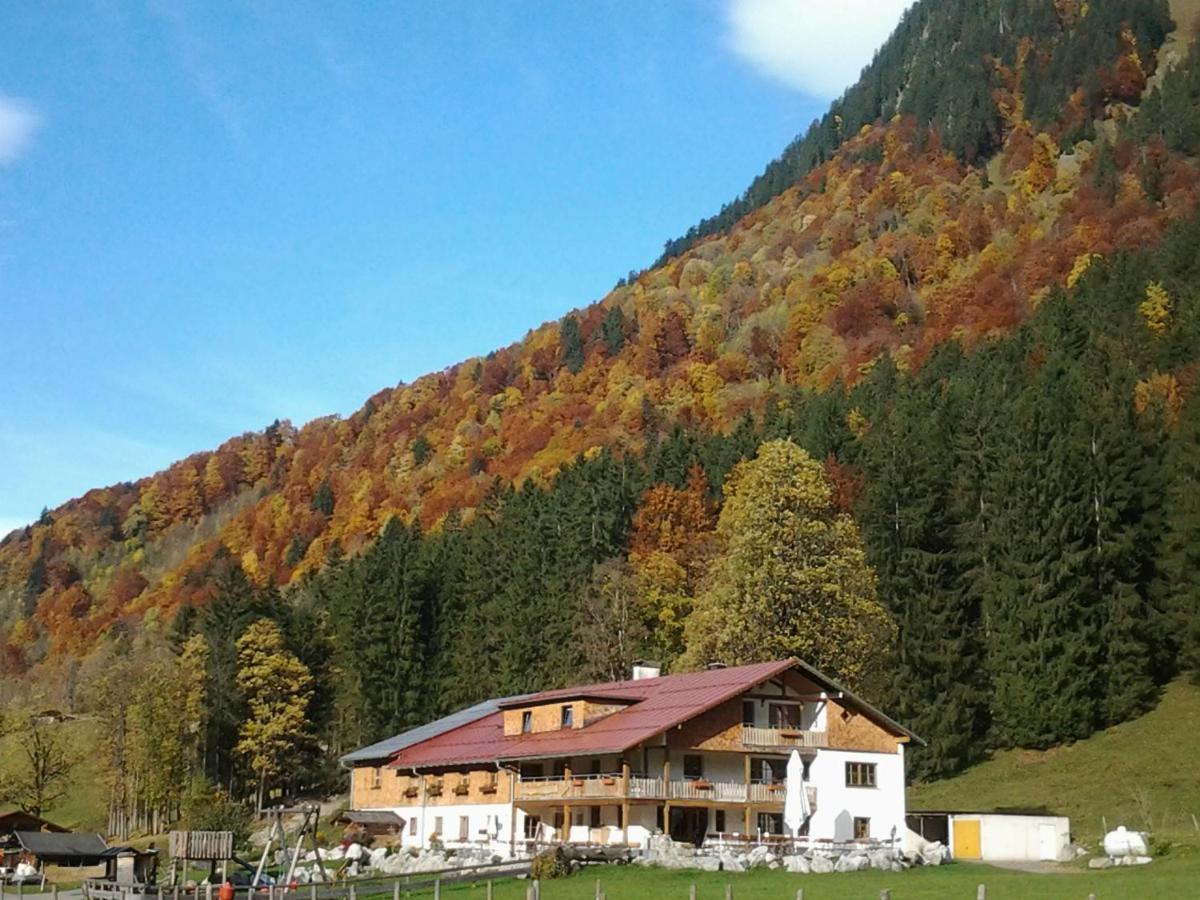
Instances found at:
x=1156 y=308
x=277 y=688
x=793 y=578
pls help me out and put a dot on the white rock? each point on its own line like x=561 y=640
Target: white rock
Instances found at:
x=757 y=857
x=355 y=851
x=819 y=865
x=378 y=855
x=797 y=865
x=731 y=863
x=881 y=859
x=1100 y=862
x=852 y=862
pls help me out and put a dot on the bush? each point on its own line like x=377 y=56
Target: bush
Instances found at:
x=549 y=864
x=208 y=808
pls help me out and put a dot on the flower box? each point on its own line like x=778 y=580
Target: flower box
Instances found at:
x=609 y=781
x=411 y=792
x=462 y=789
x=488 y=789
x=702 y=785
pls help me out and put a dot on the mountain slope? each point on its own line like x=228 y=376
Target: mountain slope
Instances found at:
x=889 y=241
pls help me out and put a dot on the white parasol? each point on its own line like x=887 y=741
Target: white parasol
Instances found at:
x=795 y=799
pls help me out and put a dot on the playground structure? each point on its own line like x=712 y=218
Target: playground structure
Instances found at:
x=212 y=847
x=308 y=828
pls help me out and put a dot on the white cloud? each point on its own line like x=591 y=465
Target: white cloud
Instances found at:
x=817 y=47
x=19 y=122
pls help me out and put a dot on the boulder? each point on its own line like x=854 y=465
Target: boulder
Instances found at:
x=797 y=865
x=934 y=853
x=759 y=856
x=731 y=863
x=1100 y=862
x=1132 y=860
x=377 y=856
x=355 y=852
x=881 y=860
x=853 y=862
x=819 y=865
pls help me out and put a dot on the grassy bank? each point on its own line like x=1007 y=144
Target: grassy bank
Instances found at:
x=1141 y=774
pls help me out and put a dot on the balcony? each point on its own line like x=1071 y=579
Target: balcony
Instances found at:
x=783 y=738
x=577 y=787
x=611 y=787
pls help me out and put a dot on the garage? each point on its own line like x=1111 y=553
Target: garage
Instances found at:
x=993 y=836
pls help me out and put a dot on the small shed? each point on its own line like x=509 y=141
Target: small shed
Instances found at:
x=375 y=822
x=995 y=836
x=62 y=848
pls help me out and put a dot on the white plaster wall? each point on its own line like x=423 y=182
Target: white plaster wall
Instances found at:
x=479 y=815
x=838 y=805
x=1019 y=837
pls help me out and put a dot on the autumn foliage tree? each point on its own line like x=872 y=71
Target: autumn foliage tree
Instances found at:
x=792 y=579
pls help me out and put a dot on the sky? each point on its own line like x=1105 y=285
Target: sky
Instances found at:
x=218 y=213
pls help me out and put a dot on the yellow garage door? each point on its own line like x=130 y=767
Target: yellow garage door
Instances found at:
x=966 y=839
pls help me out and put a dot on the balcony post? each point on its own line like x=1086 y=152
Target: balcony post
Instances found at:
x=667 y=791
x=746 y=789
x=624 y=801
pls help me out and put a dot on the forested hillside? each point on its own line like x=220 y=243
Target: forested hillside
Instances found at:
x=928 y=418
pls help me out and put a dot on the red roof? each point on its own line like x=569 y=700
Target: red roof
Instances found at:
x=656 y=705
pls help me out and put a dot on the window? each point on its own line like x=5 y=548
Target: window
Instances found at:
x=767 y=771
x=531 y=826
x=376 y=778
x=531 y=770
x=595 y=823
x=560 y=768
x=770 y=823
x=527 y=721
x=860 y=774
x=412 y=826
x=720 y=821
x=464 y=828
x=748 y=712
x=785 y=715
x=595 y=767
x=567 y=714
x=862 y=828
x=693 y=767
x=437 y=825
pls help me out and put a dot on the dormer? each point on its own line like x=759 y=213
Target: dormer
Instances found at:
x=539 y=714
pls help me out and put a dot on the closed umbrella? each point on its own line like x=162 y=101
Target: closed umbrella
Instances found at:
x=795 y=799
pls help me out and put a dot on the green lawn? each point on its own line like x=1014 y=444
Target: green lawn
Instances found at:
x=1141 y=774
x=1177 y=875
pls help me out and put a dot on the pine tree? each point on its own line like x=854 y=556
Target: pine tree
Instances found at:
x=571 y=342
x=1178 y=588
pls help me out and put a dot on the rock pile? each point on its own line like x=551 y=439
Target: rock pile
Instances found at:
x=663 y=852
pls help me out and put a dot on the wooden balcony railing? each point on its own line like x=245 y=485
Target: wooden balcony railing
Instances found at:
x=783 y=737
x=612 y=787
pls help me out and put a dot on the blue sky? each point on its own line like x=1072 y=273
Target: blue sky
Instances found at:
x=215 y=214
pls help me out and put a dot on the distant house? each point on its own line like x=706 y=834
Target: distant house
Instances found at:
x=64 y=848
x=15 y=820
x=700 y=756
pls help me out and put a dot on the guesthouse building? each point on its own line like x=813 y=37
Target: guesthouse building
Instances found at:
x=700 y=755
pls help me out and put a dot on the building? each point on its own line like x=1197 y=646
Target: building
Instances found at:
x=16 y=820
x=700 y=755
x=996 y=836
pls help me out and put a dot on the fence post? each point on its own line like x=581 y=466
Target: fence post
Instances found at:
x=981 y=892
x=489 y=890
x=729 y=892
x=885 y=894
x=692 y=892
x=395 y=890
x=799 y=893
x=312 y=891
x=437 y=889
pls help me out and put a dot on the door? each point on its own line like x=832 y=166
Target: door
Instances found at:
x=1047 y=842
x=689 y=824
x=966 y=839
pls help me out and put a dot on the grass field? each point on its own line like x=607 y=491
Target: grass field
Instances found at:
x=1175 y=876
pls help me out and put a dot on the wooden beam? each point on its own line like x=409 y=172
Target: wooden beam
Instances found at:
x=746 y=821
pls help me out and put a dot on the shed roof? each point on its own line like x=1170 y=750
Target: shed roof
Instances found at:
x=13 y=819
x=68 y=845
x=370 y=817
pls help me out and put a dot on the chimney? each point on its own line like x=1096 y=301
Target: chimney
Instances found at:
x=645 y=669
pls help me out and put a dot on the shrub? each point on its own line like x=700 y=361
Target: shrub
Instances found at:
x=549 y=864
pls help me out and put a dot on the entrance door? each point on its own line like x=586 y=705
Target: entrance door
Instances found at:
x=966 y=839
x=689 y=824
x=1047 y=842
